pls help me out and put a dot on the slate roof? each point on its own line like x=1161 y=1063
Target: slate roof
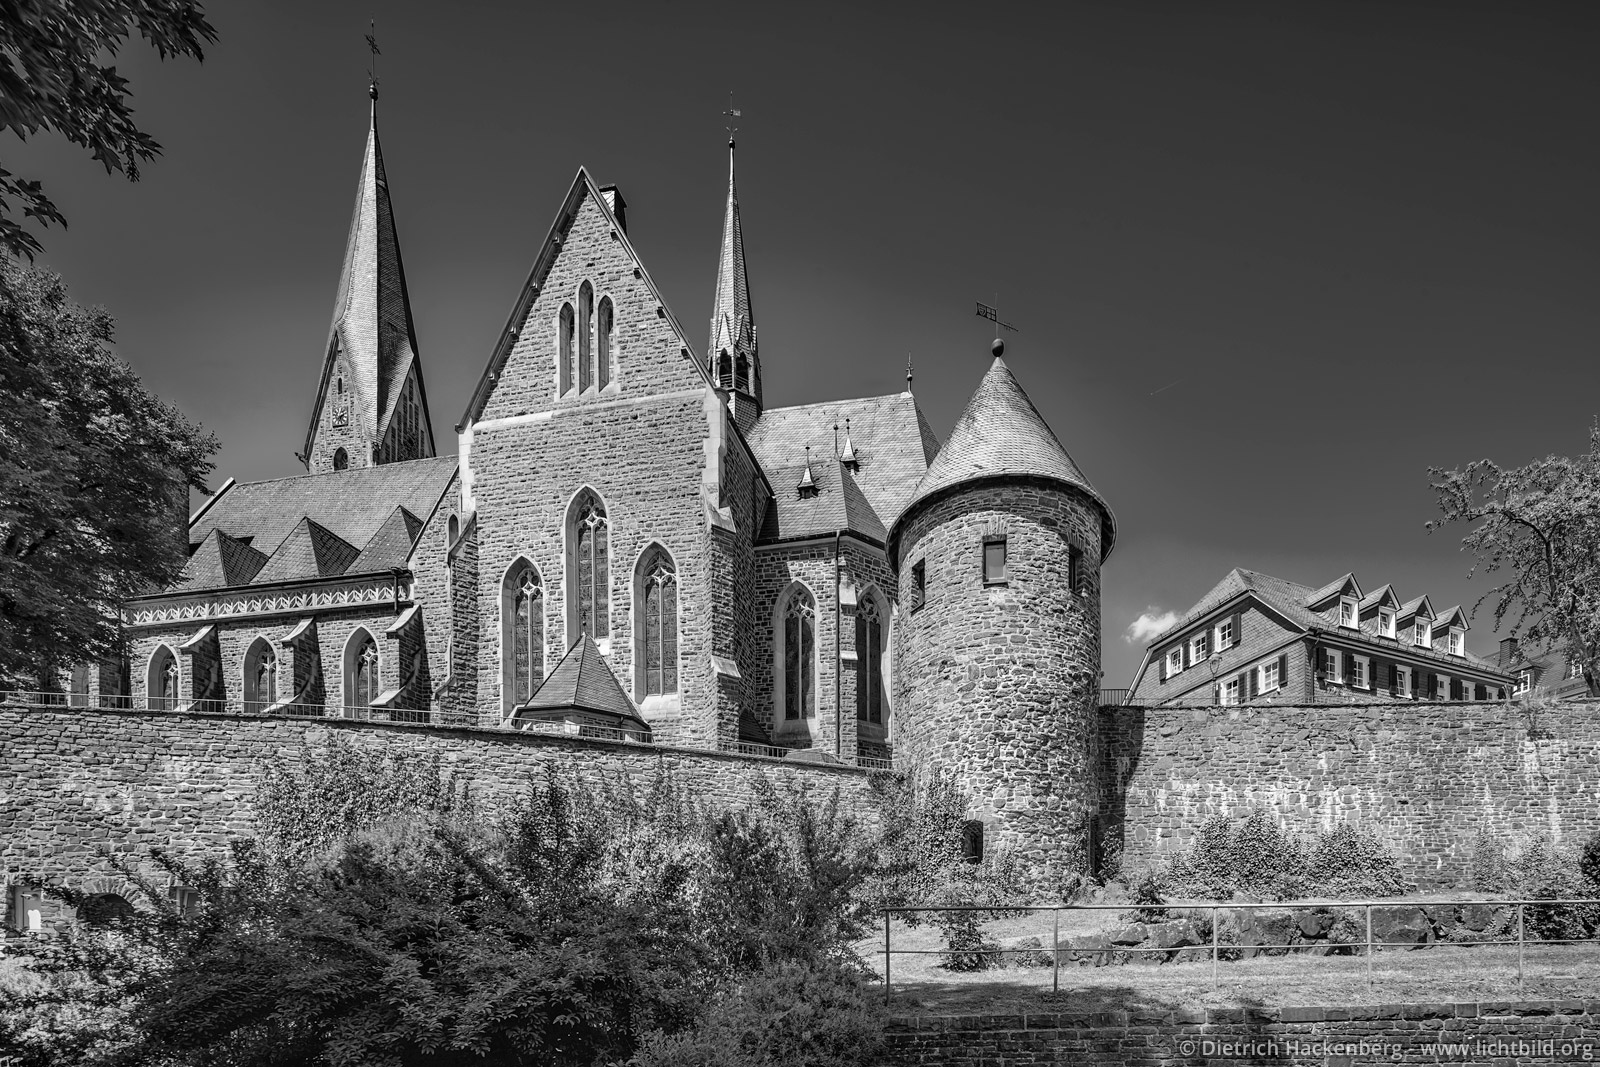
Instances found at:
x=582 y=680
x=840 y=504
x=892 y=439
x=372 y=511
x=372 y=313
x=1002 y=435
x=1290 y=600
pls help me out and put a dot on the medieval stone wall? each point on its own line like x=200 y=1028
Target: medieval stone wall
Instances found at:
x=996 y=685
x=80 y=779
x=1428 y=778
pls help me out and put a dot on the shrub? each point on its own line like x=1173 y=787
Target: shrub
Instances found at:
x=1589 y=863
x=1255 y=855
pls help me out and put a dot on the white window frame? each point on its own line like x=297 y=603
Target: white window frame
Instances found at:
x=1574 y=670
x=1232 y=638
x=1232 y=691
x=1458 y=641
x=1198 y=652
x=27 y=910
x=1349 y=609
x=1444 y=688
x=1385 y=622
x=1276 y=682
x=1419 y=634
x=1335 y=671
x=1175 y=661
x=1402 y=680
x=1361 y=672
x=1524 y=682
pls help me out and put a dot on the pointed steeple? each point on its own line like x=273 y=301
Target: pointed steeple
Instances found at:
x=371 y=406
x=733 y=356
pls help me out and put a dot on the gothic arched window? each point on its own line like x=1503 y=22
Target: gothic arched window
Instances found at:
x=361 y=671
x=869 y=660
x=605 y=326
x=799 y=622
x=522 y=637
x=724 y=369
x=585 y=324
x=741 y=379
x=589 y=605
x=564 y=348
x=260 y=676
x=656 y=623
x=161 y=681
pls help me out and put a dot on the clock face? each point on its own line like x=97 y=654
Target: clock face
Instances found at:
x=341 y=412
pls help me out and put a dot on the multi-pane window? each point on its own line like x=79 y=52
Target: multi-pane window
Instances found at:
x=1225 y=634
x=1347 y=613
x=1402 y=681
x=592 y=569
x=1420 y=633
x=1457 y=641
x=364 y=673
x=1230 y=691
x=800 y=656
x=1359 y=671
x=869 y=661
x=1524 y=682
x=1197 y=648
x=1269 y=676
x=1175 y=661
x=994 y=561
x=1385 y=622
x=1333 y=660
x=526 y=618
x=658 y=606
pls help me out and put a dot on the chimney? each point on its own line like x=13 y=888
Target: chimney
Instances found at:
x=617 y=205
x=1508 y=650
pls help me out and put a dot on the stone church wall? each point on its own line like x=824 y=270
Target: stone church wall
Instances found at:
x=1427 y=777
x=82 y=779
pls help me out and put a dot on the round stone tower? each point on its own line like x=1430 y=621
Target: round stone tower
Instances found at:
x=997 y=643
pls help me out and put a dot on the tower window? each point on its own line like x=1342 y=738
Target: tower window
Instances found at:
x=800 y=656
x=605 y=322
x=972 y=841
x=919 y=584
x=869 y=661
x=341 y=459
x=1075 y=569
x=724 y=369
x=741 y=379
x=565 y=330
x=585 y=324
x=994 y=561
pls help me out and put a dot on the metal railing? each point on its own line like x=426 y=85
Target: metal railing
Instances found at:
x=1155 y=913
x=1116 y=698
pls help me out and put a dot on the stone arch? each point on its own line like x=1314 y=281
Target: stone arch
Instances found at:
x=872 y=654
x=522 y=632
x=605 y=327
x=258 y=675
x=657 y=614
x=105 y=909
x=341 y=459
x=162 y=688
x=796 y=664
x=363 y=662
x=566 y=326
x=588 y=567
x=724 y=369
x=585 y=335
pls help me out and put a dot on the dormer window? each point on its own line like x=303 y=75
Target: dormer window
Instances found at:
x=1419 y=633
x=1175 y=661
x=1457 y=641
x=1347 y=613
x=1524 y=682
x=1385 y=622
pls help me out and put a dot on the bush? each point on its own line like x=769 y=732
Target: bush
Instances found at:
x=821 y=1013
x=1255 y=855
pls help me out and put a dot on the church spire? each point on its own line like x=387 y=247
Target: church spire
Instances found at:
x=735 y=362
x=371 y=407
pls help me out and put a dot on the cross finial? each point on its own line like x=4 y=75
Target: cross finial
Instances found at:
x=731 y=113
x=908 y=373
x=372 y=46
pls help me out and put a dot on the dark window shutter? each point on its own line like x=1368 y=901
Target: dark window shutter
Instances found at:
x=1162 y=663
x=1238 y=627
x=1283 y=671
x=1253 y=679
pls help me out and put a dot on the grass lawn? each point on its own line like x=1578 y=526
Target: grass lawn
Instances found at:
x=1431 y=975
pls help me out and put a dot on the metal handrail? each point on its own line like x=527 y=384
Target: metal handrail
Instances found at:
x=1212 y=906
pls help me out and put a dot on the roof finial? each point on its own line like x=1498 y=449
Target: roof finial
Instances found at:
x=372 y=71
x=731 y=113
x=908 y=372
x=807 y=482
x=848 y=456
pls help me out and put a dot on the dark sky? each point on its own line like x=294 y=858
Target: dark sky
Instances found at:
x=1270 y=261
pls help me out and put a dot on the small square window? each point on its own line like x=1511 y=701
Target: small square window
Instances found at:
x=27 y=910
x=1230 y=691
x=186 y=900
x=919 y=583
x=994 y=561
x=1269 y=676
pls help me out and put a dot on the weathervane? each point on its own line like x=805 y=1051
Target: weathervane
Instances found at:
x=731 y=113
x=372 y=46
x=993 y=315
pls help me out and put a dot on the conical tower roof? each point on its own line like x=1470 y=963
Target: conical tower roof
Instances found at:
x=1001 y=436
x=372 y=324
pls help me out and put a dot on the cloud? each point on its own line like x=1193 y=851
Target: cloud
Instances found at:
x=1152 y=623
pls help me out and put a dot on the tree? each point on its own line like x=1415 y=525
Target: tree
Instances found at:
x=94 y=480
x=51 y=79
x=1540 y=526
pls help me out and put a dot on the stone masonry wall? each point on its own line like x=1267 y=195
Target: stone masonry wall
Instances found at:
x=996 y=685
x=80 y=779
x=1427 y=777
x=1472 y=1035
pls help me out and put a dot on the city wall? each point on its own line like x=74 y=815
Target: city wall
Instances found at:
x=80 y=780
x=1427 y=777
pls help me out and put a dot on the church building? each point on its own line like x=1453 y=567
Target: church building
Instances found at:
x=636 y=542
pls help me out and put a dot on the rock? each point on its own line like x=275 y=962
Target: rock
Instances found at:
x=1477 y=917
x=1130 y=934
x=1314 y=925
x=1027 y=951
x=1401 y=927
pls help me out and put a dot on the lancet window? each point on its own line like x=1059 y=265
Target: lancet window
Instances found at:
x=657 y=611
x=799 y=622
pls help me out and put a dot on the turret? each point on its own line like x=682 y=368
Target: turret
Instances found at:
x=733 y=358
x=997 y=644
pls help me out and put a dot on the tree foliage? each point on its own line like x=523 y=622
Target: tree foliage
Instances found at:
x=51 y=79
x=1538 y=528
x=94 y=479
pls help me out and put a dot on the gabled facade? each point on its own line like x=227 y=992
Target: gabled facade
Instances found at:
x=1258 y=639
x=1547 y=672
